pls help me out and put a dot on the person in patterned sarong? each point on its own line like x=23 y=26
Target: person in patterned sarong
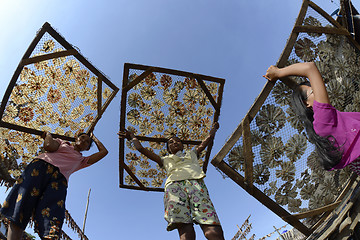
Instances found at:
x=40 y=192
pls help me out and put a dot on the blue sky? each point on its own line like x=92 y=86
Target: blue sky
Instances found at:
x=234 y=39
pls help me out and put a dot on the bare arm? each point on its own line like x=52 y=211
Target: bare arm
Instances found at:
x=208 y=139
x=308 y=70
x=131 y=137
x=93 y=158
x=50 y=145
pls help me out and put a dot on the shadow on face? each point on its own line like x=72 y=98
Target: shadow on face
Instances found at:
x=174 y=144
x=83 y=142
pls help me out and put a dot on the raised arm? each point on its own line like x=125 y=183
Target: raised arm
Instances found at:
x=131 y=137
x=50 y=145
x=306 y=69
x=93 y=158
x=208 y=139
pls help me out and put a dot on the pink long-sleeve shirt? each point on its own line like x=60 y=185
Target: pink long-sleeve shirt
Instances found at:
x=343 y=126
x=66 y=158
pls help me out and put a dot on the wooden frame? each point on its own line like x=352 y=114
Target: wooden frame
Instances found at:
x=129 y=85
x=243 y=130
x=69 y=51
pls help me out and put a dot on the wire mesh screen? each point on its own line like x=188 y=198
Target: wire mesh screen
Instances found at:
x=53 y=89
x=160 y=104
x=285 y=165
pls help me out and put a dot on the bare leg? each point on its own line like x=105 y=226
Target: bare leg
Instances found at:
x=186 y=231
x=213 y=232
x=14 y=232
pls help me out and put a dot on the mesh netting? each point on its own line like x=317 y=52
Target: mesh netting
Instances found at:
x=285 y=165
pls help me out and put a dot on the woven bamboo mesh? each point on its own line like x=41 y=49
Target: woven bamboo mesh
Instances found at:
x=163 y=104
x=285 y=166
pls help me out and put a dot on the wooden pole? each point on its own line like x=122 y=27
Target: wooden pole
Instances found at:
x=86 y=210
x=237 y=234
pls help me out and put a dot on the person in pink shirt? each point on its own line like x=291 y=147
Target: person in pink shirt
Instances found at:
x=335 y=134
x=41 y=190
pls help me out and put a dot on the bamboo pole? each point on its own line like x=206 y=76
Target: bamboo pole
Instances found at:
x=277 y=230
x=86 y=210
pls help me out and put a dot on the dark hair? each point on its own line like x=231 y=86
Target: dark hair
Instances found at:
x=167 y=142
x=91 y=140
x=327 y=149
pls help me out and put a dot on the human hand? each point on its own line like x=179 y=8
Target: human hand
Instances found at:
x=92 y=136
x=272 y=73
x=44 y=134
x=126 y=134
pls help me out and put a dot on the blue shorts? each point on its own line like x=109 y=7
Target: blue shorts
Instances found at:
x=40 y=193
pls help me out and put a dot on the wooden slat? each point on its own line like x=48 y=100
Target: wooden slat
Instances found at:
x=347 y=227
x=207 y=93
x=9 y=90
x=133 y=83
x=341 y=196
x=121 y=160
x=216 y=119
x=317 y=211
x=152 y=139
x=144 y=189
x=207 y=156
x=261 y=197
x=19 y=69
x=99 y=96
x=247 y=148
x=102 y=110
x=175 y=72
x=327 y=30
x=123 y=98
x=128 y=170
x=335 y=218
x=122 y=125
x=293 y=36
x=235 y=136
x=259 y=101
x=324 y=14
x=219 y=101
x=48 y=56
x=346 y=206
x=33 y=131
